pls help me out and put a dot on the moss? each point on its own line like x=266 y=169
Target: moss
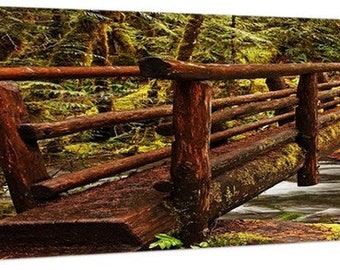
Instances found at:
x=289 y=158
x=258 y=86
x=82 y=149
x=329 y=134
x=235 y=239
x=133 y=100
x=286 y=216
x=334 y=233
x=240 y=183
x=215 y=193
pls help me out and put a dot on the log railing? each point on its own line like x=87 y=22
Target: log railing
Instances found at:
x=197 y=126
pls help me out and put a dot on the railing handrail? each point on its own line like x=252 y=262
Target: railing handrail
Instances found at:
x=168 y=69
x=178 y=70
x=31 y=73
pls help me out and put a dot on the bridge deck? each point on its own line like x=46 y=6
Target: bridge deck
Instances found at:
x=108 y=218
x=119 y=216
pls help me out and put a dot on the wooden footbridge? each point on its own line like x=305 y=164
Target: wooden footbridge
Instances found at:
x=203 y=175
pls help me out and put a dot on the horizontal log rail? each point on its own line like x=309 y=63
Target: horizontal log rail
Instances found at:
x=39 y=131
x=239 y=100
x=329 y=104
x=39 y=73
x=328 y=85
x=52 y=187
x=233 y=158
x=177 y=70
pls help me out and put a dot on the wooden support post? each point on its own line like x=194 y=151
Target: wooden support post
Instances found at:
x=190 y=164
x=21 y=161
x=307 y=125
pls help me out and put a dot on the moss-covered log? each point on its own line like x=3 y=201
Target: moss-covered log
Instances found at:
x=235 y=187
x=329 y=137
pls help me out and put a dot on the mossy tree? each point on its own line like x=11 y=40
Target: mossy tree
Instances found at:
x=187 y=44
x=77 y=46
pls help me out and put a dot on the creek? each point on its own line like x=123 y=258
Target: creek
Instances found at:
x=319 y=203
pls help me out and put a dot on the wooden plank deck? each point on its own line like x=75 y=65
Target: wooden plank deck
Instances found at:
x=120 y=216
x=115 y=217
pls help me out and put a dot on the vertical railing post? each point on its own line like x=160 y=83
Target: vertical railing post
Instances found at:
x=21 y=162
x=190 y=165
x=307 y=125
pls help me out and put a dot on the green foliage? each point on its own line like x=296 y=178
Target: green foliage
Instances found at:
x=166 y=242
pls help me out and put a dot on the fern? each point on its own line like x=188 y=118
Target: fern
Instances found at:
x=166 y=241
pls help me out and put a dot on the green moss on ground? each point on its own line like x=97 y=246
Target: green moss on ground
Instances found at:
x=235 y=239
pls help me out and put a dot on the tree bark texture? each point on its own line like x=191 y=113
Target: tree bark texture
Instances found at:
x=190 y=163
x=307 y=125
x=21 y=161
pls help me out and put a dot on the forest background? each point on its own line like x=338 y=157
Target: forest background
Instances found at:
x=60 y=37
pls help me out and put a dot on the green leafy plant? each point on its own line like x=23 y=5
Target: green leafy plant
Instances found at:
x=166 y=241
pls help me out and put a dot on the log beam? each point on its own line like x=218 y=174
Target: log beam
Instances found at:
x=52 y=187
x=154 y=67
x=40 y=73
x=39 y=131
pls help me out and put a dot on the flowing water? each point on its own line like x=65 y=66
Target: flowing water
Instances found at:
x=309 y=204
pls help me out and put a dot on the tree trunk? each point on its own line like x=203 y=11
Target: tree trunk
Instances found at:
x=104 y=101
x=75 y=49
x=187 y=44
